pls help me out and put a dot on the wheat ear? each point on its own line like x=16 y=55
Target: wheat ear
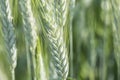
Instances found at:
x=30 y=33
x=54 y=15
x=9 y=34
x=116 y=29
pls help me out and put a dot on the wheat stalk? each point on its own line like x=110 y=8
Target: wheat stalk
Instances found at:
x=9 y=34
x=54 y=15
x=72 y=6
x=30 y=33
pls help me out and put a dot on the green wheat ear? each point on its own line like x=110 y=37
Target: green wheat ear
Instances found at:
x=53 y=16
x=8 y=34
x=30 y=35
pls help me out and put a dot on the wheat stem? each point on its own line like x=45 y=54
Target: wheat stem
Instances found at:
x=30 y=33
x=9 y=34
x=72 y=6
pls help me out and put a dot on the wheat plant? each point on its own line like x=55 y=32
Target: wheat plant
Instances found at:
x=30 y=35
x=53 y=14
x=8 y=34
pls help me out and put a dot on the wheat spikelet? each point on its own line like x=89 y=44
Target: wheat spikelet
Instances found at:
x=116 y=29
x=53 y=14
x=9 y=34
x=30 y=32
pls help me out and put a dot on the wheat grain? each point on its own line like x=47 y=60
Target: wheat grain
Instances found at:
x=53 y=14
x=30 y=32
x=9 y=34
